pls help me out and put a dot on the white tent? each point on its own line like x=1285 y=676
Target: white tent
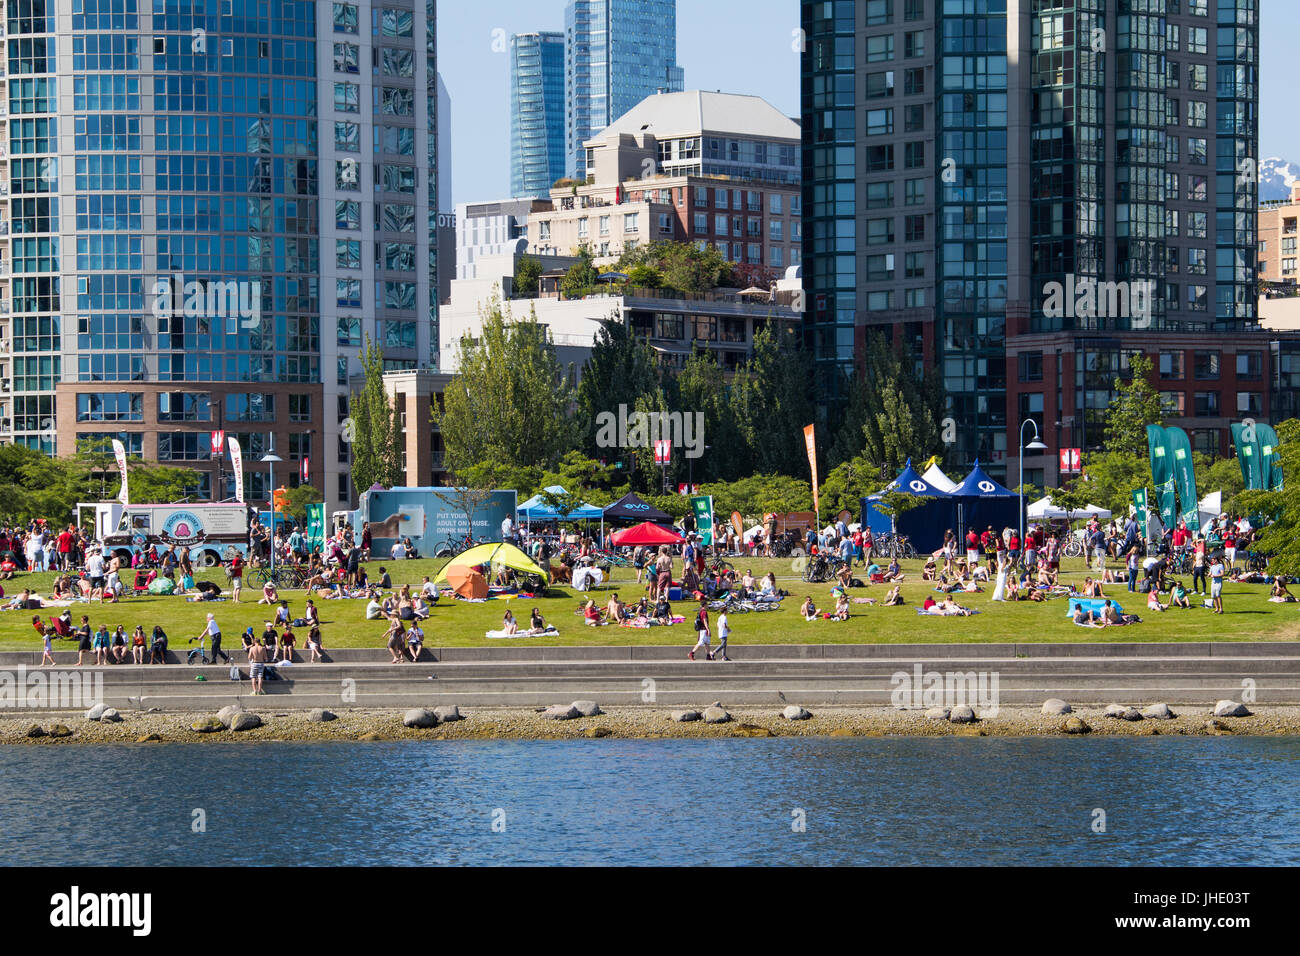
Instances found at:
x=1044 y=510
x=1210 y=507
x=937 y=479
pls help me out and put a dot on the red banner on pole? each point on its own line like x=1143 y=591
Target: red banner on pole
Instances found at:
x=218 y=444
x=305 y=472
x=810 y=440
x=663 y=451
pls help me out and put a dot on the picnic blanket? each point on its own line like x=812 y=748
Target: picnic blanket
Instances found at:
x=502 y=634
x=934 y=613
x=1091 y=604
x=641 y=622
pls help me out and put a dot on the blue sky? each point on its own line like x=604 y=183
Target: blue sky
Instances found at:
x=739 y=46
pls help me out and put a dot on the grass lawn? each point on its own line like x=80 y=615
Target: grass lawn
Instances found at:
x=1249 y=616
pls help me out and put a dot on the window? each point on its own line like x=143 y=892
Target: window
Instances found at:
x=880 y=268
x=349 y=293
x=347 y=253
x=913 y=81
x=347 y=137
x=721 y=198
x=879 y=158
x=345 y=18
x=1196 y=151
x=1198 y=77
x=347 y=175
x=913 y=118
x=669 y=325
x=880 y=301
x=631 y=222
x=184 y=407
x=252 y=407
x=774 y=204
x=1196 y=114
x=1250 y=403
x=880 y=48
x=1250 y=365
x=913 y=10
x=880 y=85
x=880 y=231
x=1197 y=40
x=299 y=408
x=1171 y=364
x=913 y=228
x=347 y=214
x=914 y=192
x=913 y=44
x=1031 y=366
x=1198 y=298
x=347 y=58
x=914 y=155
x=1196 y=262
x=1196 y=188
x=914 y=265
x=110 y=407
x=603 y=222
x=1173 y=403
x=880 y=195
x=347 y=97
x=776 y=230
x=1206 y=403
x=1206 y=365
x=913 y=298
x=702 y=196
x=880 y=12
x=880 y=122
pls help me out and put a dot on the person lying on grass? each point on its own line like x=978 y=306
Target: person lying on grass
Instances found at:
x=1279 y=594
x=894 y=598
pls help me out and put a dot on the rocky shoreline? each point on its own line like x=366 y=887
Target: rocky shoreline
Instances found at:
x=648 y=722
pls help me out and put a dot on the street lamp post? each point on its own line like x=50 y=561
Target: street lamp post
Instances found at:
x=270 y=458
x=1034 y=445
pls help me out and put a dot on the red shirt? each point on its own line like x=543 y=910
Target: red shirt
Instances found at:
x=65 y=542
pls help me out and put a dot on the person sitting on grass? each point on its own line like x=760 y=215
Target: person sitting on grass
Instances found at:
x=508 y=623
x=1088 y=618
x=1280 y=594
x=374 y=610
x=269 y=594
x=1109 y=616
x=1153 y=601
x=768 y=587
x=894 y=574
x=663 y=612
x=536 y=623
x=1012 y=591
x=929 y=572
x=591 y=613
x=894 y=598
x=1178 y=596
x=841 y=608
x=808 y=609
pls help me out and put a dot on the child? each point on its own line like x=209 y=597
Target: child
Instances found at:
x=414 y=641
x=47 y=654
x=287 y=641
x=313 y=644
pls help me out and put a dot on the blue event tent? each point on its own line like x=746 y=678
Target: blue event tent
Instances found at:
x=534 y=509
x=925 y=524
x=983 y=502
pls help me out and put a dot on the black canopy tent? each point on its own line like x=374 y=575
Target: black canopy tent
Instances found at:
x=632 y=508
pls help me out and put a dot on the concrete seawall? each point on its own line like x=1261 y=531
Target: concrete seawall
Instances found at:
x=850 y=675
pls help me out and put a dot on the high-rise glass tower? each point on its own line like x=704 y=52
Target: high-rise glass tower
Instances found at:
x=617 y=52
x=536 y=112
x=970 y=164
x=206 y=208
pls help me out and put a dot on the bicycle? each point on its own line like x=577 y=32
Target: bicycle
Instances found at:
x=1074 y=548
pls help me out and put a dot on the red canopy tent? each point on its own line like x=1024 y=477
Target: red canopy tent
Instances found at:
x=645 y=533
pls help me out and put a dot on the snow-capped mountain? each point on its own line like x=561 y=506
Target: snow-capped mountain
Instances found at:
x=1275 y=178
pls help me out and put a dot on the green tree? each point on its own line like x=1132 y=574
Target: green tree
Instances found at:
x=297 y=499
x=527 y=274
x=1112 y=476
x=901 y=412
x=509 y=401
x=1136 y=405
x=619 y=371
x=848 y=483
x=772 y=405
x=374 y=438
x=703 y=392
x=683 y=266
x=581 y=277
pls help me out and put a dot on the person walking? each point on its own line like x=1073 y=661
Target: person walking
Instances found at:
x=202 y=639
x=1132 y=566
x=1216 y=584
x=1199 y=566
x=702 y=629
x=47 y=655
x=724 y=631
x=214 y=636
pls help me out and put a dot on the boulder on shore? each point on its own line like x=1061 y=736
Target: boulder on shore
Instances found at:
x=795 y=712
x=110 y=715
x=1115 y=710
x=319 y=714
x=245 y=721
x=937 y=713
x=227 y=714
x=207 y=725
x=1230 y=708
x=35 y=730
x=96 y=712
x=751 y=730
x=58 y=730
x=448 y=713
x=561 y=712
x=1159 y=712
x=1075 y=725
x=1055 y=706
x=685 y=716
x=420 y=718
x=586 y=708
x=962 y=714
x=1131 y=713
x=715 y=714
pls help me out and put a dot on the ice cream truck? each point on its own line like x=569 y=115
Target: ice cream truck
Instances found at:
x=212 y=532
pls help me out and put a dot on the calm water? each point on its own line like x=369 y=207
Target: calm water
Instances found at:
x=871 y=801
